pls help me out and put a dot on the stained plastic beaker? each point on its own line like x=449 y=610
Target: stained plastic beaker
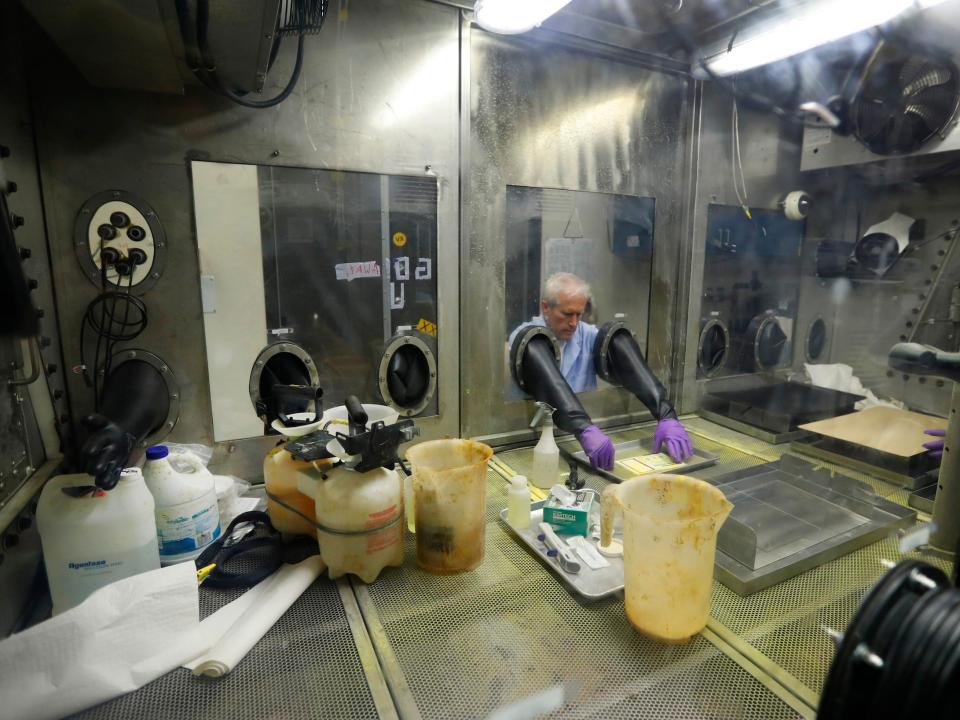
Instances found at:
x=449 y=490
x=670 y=526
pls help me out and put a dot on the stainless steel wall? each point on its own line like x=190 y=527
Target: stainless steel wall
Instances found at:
x=546 y=115
x=379 y=93
x=771 y=168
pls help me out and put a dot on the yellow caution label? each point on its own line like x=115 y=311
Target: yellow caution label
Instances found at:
x=427 y=327
x=399 y=239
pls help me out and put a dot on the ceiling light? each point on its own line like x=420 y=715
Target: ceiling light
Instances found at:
x=511 y=17
x=804 y=27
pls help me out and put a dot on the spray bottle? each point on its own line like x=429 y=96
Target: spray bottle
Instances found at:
x=546 y=455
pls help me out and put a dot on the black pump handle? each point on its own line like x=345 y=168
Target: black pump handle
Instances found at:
x=356 y=413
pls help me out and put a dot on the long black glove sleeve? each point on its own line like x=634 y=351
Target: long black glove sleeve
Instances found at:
x=134 y=404
x=545 y=383
x=631 y=370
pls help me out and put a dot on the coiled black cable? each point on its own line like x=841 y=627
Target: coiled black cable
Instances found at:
x=113 y=317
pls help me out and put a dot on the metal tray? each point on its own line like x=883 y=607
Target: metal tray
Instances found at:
x=790 y=516
x=780 y=407
x=912 y=473
x=636 y=448
x=589 y=584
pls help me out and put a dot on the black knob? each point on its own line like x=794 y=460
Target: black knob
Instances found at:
x=32 y=284
x=120 y=219
x=11 y=187
x=10 y=540
x=57 y=394
x=25 y=253
x=136 y=233
x=110 y=256
x=124 y=267
x=4 y=151
x=107 y=232
x=138 y=256
x=17 y=220
x=51 y=368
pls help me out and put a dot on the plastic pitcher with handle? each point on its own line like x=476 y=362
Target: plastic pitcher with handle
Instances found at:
x=670 y=526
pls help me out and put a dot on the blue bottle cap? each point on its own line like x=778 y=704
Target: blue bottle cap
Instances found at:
x=157 y=452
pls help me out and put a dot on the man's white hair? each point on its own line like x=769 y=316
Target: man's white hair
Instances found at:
x=566 y=283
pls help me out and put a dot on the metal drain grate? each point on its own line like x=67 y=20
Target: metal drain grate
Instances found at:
x=467 y=644
x=306 y=667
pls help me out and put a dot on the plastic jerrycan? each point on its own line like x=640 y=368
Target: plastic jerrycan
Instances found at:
x=449 y=490
x=359 y=518
x=288 y=508
x=91 y=538
x=670 y=526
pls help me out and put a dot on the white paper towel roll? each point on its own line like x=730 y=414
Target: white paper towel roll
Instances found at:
x=261 y=607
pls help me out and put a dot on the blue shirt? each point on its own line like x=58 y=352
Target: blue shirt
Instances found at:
x=576 y=355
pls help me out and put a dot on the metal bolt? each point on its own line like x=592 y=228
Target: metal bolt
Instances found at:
x=170 y=423
x=116 y=194
x=231 y=448
x=154 y=275
x=163 y=368
x=174 y=396
x=865 y=655
x=84 y=211
x=275 y=153
x=307 y=361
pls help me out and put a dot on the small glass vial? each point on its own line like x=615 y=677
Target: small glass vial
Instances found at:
x=518 y=503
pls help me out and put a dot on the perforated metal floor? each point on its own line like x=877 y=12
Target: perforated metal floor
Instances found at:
x=467 y=644
x=306 y=666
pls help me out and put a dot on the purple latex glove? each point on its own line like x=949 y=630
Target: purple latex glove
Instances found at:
x=935 y=447
x=672 y=434
x=598 y=447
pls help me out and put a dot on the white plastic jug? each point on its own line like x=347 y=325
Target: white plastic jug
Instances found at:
x=670 y=526
x=187 y=514
x=360 y=518
x=92 y=538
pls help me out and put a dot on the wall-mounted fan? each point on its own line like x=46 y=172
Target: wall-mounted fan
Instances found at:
x=905 y=97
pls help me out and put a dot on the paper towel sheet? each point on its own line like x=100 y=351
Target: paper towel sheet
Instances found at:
x=121 y=637
x=242 y=623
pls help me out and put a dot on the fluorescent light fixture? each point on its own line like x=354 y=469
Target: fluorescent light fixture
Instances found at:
x=511 y=17
x=804 y=27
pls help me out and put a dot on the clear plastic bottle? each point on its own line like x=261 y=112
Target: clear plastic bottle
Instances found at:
x=518 y=503
x=546 y=457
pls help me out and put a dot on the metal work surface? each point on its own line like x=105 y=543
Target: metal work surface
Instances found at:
x=463 y=645
x=780 y=628
x=307 y=666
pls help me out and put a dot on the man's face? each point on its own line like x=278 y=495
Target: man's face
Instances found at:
x=564 y=317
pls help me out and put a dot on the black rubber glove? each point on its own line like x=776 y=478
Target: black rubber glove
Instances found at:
x=106 y=451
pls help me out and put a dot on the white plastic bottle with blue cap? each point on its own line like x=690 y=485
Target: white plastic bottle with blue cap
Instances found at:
x=188 y=519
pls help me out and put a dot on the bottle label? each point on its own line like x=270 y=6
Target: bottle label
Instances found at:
x=189 y=526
